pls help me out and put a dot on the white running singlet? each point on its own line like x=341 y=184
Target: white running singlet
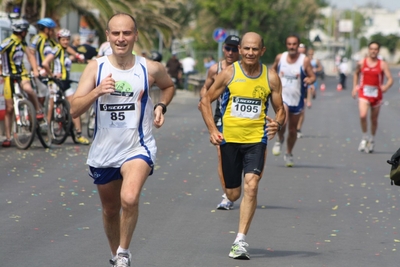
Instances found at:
x=124 y=119
x=291 y=77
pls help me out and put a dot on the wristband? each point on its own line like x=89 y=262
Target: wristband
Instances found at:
x=164 y=107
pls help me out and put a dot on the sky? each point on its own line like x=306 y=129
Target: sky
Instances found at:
x=388 y=4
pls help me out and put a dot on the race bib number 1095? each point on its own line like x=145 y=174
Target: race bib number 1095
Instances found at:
x=246 y=107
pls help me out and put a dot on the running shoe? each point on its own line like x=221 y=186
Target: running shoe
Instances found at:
x=369 y=148
x=238 y=251
x=299 y=134
x=113 y=261
x=6 y=143
x=123 y=260
x=276 y=150
x=82 y=140
x=288 y=160
x=225 y=204
x=363 y=145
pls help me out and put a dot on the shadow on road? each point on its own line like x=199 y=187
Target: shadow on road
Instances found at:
x=264 y=253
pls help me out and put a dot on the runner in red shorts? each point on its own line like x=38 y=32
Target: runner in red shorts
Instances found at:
x=369 y=82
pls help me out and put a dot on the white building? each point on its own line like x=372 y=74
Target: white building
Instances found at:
x=377 y=20
x=380 y=21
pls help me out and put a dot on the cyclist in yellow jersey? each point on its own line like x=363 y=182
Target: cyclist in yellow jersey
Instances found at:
x=247 y=86
x=41 y=45
x=13 y=49
x=61 y=70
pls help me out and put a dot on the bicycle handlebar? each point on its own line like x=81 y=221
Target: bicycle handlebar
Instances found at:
x=17 y=75
x=54 y=79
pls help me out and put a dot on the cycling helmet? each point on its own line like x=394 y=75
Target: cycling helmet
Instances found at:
x=19 y=25
x=63 y=33
x=156 y=56
x=47 y=23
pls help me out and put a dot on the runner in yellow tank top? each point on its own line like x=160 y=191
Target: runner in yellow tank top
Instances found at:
x=245 y=106
x=246 y=86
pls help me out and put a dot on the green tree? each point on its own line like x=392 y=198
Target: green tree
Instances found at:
x=390 y=41
x=273 y=19
x=149 y=14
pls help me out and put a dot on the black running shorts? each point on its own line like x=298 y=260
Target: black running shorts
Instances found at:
x=241 y=158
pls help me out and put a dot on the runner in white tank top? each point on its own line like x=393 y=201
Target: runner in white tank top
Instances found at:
x=291 y=75
x=123 y=151
x=294 y=70
x=124 y=118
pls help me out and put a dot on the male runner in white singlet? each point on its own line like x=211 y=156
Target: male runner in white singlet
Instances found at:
x=293 y=69
x=123 y=151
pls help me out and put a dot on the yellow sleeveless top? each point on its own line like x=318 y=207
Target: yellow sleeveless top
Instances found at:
x=244 y=106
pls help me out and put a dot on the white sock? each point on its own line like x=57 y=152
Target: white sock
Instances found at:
x=371 y=139
x=365 y=136
x=122 y=250
x=224 y=196
x=113 y=256
x=239 y=237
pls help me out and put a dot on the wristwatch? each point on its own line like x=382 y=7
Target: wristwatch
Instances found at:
x=164 y=107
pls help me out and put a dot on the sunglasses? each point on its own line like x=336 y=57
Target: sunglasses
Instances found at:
x=229 y=49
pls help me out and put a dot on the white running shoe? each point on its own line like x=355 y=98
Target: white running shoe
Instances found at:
x=299 y=134
x=113 y=261
x=369 y=148
x=276 y=150
x=288 y=160
x=225 y=204
x=363 y=145
x=238 y=251
x=123 y=260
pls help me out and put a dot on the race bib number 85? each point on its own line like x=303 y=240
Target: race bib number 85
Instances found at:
x=246 y=107
x=118 y=115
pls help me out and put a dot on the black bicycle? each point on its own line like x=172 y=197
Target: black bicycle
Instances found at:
x=61 y=125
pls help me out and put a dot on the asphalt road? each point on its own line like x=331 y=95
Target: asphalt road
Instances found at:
x=334 y=208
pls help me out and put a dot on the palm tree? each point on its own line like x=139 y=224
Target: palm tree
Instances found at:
x=150 y=15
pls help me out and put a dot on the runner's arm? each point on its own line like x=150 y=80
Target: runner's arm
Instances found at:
x=388 y=75
x=276 y=62
x=276 y=98
x=310 y=79
x=319 y=66
x=356 y=75
x=87 y=92
x=212 y=71
x=216 y=89
x=158 y=75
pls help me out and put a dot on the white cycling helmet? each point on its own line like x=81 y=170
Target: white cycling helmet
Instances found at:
x=20 y=25
x=63 y=33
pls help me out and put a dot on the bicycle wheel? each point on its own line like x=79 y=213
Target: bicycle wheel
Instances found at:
x=24 y=130
x=72 y=132
x=43 y=130
x=60 y=122
x=91 y=122
x=43 y=127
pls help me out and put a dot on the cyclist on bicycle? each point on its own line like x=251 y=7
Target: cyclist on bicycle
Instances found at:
x=13 y=49
x=61 y=70
x=41 y=45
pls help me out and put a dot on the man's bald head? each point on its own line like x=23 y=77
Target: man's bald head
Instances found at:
x=252 y=36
